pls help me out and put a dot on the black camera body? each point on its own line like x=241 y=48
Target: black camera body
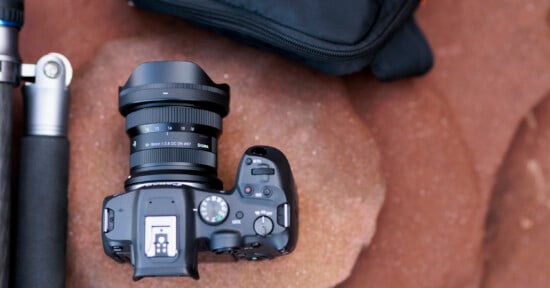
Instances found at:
x=160 y=228
x=173 y=207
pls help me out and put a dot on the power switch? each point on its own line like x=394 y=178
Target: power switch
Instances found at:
x=263 y=225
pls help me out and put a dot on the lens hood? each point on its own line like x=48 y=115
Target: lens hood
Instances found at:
x=175 y=83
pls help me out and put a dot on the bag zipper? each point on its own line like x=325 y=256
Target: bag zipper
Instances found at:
x=252 y=27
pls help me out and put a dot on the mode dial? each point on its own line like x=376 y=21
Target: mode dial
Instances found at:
x=213 y=210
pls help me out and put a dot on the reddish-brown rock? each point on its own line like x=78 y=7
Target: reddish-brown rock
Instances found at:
x=519 y=220
x=430 y=227
x=296 y=104
x=491 y=66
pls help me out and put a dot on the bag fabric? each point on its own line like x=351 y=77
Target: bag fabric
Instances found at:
x=334 y=37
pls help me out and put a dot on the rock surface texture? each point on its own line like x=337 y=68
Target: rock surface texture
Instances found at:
x=491 y=68
x=458 y=211
x=519 y=220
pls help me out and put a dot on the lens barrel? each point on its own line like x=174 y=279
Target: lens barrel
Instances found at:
x=174 y=117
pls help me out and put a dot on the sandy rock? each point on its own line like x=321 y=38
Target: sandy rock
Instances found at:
x=489 y=72
x=430 y=226
x=519 y=220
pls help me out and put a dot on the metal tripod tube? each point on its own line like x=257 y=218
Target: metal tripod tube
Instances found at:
x=40 y=241
x=11 y=19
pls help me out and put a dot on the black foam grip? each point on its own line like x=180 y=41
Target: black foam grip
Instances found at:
x=42 y=212
x=5 y=190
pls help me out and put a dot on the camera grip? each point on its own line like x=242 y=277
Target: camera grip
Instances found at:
x=42 y=212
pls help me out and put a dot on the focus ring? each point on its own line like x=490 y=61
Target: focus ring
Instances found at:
x=173 y=114
x=192 y=86
x=172 y=155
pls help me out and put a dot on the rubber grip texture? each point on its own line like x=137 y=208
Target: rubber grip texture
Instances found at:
x=6 y=91
x=42 y=212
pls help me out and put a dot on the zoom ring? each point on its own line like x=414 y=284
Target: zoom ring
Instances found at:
x=172 y=156
x=173 y=114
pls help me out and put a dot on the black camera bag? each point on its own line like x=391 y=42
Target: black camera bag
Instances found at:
x=334 y=37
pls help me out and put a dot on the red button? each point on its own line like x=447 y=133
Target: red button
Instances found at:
x=247 y=189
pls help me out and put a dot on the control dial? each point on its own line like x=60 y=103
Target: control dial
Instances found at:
x=213 y=210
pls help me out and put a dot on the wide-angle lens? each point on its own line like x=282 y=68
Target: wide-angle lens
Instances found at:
x=174 y=117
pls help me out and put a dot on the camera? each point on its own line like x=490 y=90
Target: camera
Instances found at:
x=174 y=206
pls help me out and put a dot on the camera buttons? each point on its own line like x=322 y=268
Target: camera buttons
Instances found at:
x=239 y=215
x=248 y=189
x=263 y=225
x=267 y=192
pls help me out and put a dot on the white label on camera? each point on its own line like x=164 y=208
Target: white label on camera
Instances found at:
x=201 y=145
